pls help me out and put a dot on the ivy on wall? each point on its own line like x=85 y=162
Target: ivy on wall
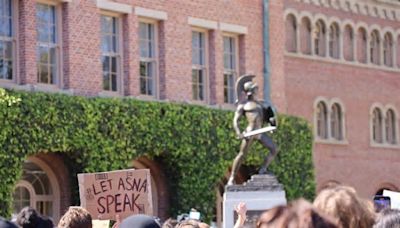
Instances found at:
x=195 y=144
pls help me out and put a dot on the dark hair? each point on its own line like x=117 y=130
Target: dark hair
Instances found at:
x=28 y=217
x=388 y=218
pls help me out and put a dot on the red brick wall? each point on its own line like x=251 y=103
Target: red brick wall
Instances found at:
x=81 y=60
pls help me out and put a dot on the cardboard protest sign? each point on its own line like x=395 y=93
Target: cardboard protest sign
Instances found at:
x=123 y=193
x=100 y=223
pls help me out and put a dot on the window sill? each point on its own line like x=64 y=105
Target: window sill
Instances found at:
x=331 y=141
x=109 y=94
x=385 y=145
x=146 y=97
x=8 y=84
x=226 y=106
x=51 y=89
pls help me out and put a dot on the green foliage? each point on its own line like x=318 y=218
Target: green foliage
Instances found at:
x=196 y=145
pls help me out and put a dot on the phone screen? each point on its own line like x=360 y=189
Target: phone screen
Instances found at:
x=381 y=202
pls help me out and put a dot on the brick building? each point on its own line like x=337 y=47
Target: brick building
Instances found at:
x=179 y=51
x=333 y=62
x=342 y=61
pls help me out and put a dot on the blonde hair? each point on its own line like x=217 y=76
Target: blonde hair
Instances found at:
x=343 y=204
x=76 y=217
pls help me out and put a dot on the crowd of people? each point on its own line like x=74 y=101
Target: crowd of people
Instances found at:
x=334 y=207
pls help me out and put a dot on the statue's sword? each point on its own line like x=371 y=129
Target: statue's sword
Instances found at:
x=259 y=131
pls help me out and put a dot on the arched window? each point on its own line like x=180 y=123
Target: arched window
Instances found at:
x=377 y=126
x=305 y=36
x=348 y=43
x=388 y=50
x=390 y=127
x=336 y=122
x=319 y=38
x=322 y=120
x=334 y=41
x=362 y=45
x=374 y=48
x=291 y=33
x=35 y=190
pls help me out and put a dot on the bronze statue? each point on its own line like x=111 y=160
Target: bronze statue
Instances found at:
x=256 y=114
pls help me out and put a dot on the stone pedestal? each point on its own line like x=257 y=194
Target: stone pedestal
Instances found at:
x=260 y=193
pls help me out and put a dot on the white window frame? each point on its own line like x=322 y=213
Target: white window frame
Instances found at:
x=118 y=55
x=153 y=60
x=235 y=71
x=204 y=68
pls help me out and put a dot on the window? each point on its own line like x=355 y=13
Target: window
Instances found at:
x=390 y=127
x=362 y=45
x=329 y=123
x=230 y=66
x=322 y=120
x=198 y=65
x=110 y=52
x=147 y=43
x=377 y=126
x=291 y=33
x=388 y=50
x=375 y=48
x=305 y=36
x=336 y=122
x=6 y=36
x=348 y=46
x=35 y=190
x=47 y=54
x=319 y=38
x=334 y=41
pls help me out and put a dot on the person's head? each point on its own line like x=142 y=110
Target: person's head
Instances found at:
x=139 y=221
x=76 y=217
x=28 y=217
x=388 y=218
x=188 y=223
x=343 y=204
x=298 y=214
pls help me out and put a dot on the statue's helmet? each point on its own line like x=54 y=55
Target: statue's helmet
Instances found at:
x=250 y=87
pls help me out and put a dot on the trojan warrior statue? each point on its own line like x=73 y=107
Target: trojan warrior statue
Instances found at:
x=257 y=114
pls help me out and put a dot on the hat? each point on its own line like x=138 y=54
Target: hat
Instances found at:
x=139 y=221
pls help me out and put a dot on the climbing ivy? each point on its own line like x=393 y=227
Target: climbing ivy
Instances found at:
x=195 y=144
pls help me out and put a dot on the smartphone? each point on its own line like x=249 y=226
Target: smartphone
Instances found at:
x=194 y=215
x=381 y=202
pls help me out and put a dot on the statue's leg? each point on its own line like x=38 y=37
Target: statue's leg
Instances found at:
x=268 y=143
x=244 y=148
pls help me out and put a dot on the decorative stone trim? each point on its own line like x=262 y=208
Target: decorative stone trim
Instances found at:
x=150 y=13
x=384 y=9
x=114 y=6
x=203 y=23
x=239 y=29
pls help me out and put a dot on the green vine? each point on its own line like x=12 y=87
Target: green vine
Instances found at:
x=196 y=145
